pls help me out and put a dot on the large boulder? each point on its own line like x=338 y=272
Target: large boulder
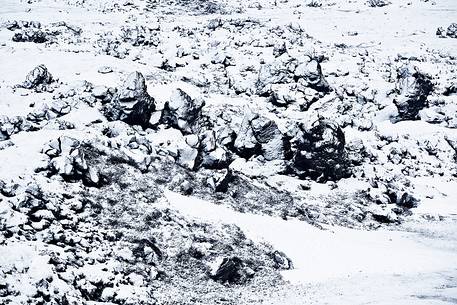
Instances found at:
x=309 y=74
x=38 y=77
x=132 y=103
x=182 y=112
x=259 y=135
x=320 y=151
x=413 y=89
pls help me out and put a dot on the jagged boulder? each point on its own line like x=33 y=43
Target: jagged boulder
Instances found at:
x=37 y=78
x=210 y=154
x=182 y=112
x=309 y=74
x=260 y=136
x=413 y=89
x=132 y=103
x=452 y=30
x=320 y=151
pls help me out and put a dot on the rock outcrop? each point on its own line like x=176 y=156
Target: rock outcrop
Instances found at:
x=132 y=103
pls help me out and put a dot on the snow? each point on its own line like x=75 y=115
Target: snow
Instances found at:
x=412 y=263
x=336 y=256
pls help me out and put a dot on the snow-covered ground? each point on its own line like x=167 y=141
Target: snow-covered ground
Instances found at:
x=346 y=266
x=321 y=132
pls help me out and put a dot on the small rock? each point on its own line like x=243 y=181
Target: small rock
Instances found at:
x=105 y=70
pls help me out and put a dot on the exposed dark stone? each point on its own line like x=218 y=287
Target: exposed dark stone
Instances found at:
x=413 y=89
x=450 y=89
x=440 y=32
x=182 y=112
x=132 y=103
x=320 y=151
x=408 y=201
x=230 y=270
x=384 y=218
x=30 y=35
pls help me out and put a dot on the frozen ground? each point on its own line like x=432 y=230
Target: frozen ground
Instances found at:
x=232 y=197
x=343 y=266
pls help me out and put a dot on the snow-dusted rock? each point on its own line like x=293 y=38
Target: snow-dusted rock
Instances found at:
x=182 y=111
x=259 y=135
x=280 y=71
x=309 y=74
x=67 y=159
x=452 y=30
x=12 y=125
x=37 y=78
x=132 y=103
x=413 y=89
x=31 y=35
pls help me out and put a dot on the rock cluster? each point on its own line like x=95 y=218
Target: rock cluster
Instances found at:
x=450 y=32
x=67 y=159
x=10 y=126
x=31 y=35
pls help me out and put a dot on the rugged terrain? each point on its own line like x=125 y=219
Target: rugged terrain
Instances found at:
x=228 y=152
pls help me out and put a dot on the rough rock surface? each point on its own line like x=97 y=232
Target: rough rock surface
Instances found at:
x=413 y=88
x=320 y=151
x=182 y=111
x=38 y=77
x=260 y=136
x=255 y=140
x=132 y=103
